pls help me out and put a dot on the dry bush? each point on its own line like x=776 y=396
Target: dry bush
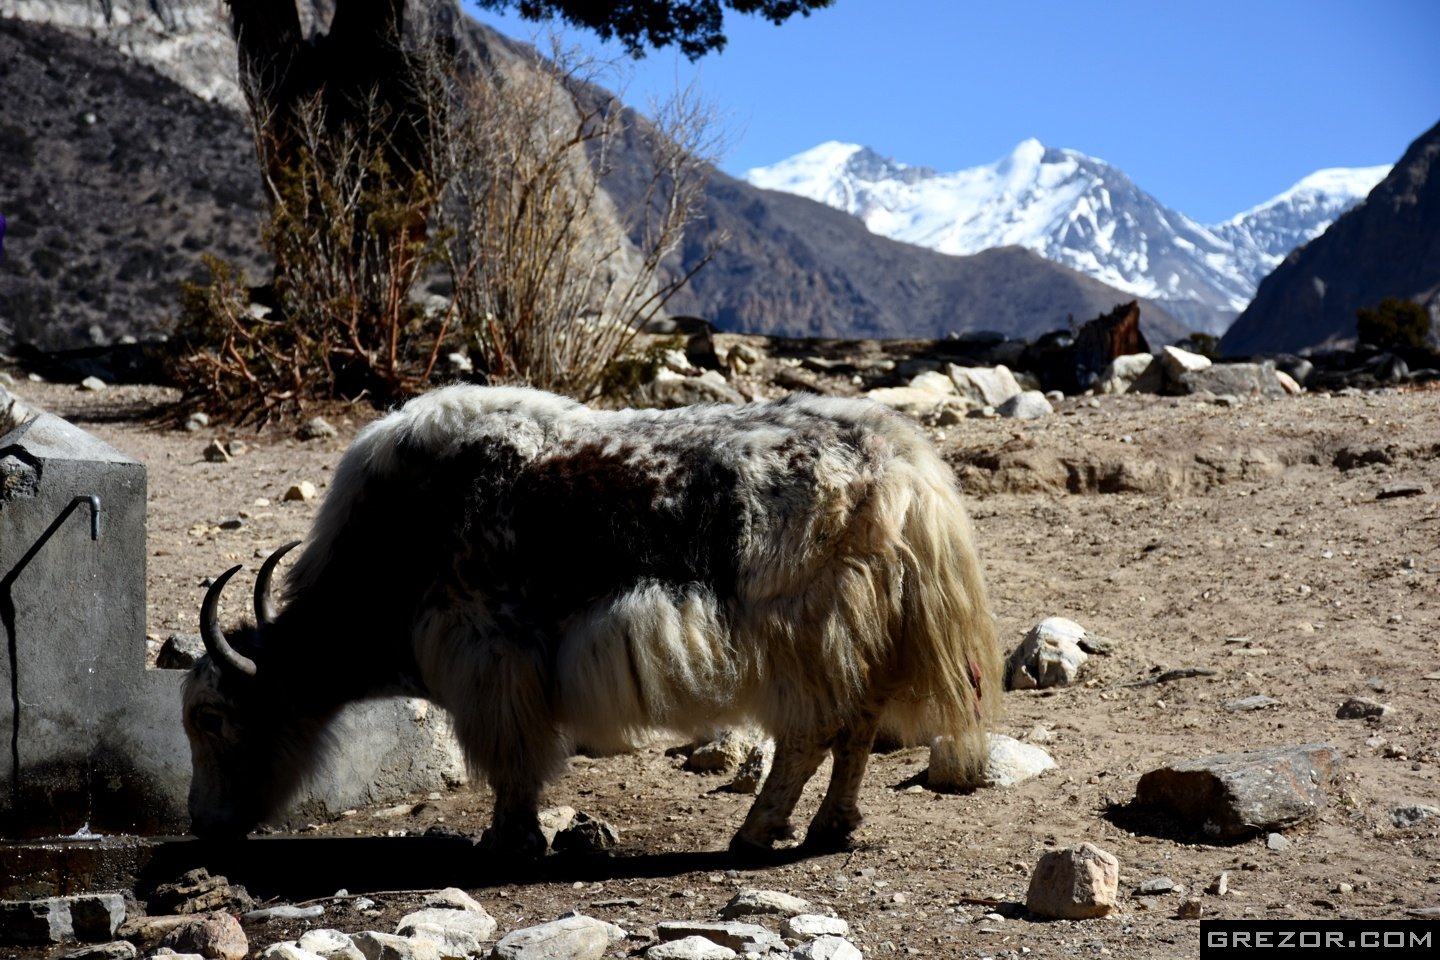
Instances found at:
x=549 y=281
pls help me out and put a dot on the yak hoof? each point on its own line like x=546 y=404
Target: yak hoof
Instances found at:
x=516 y=842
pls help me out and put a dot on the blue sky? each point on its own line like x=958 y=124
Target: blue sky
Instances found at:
x=1210 y=106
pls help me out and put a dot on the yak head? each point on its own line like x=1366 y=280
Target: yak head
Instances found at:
x=242 y=719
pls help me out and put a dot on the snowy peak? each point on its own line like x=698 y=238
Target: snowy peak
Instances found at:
x=1078 y=211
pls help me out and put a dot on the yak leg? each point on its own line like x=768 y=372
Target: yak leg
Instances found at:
x=839 y=814
x=795 y=761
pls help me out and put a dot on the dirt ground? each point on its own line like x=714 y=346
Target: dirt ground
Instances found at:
x=1264 y=540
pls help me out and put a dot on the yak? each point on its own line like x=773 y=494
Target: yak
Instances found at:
x=553 y=574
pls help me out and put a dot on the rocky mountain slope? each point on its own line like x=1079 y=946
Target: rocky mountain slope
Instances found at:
x=107 y=215
x=1387 y=247
x=1078 y=211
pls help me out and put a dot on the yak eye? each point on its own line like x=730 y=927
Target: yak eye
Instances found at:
x=210 y=722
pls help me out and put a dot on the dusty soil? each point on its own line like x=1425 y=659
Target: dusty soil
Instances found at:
x=1173 y=526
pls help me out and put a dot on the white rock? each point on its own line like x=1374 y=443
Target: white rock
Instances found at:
x=1049 y=656
x=93 y=384
x=750 y=903
x=385 y=946
x=569 y=938
x=304 y=490
x=808 y=926
x=555 y=820
x=457 y=933
x=933 y=381
x=457 y=899
x=288 y=951
x=330 y=944
x=1177 y=363
x=1074 y=884
x=1132 y=373
x=740 y=937
x=1026 y=405
x=918 y=403
x=1010 y=762
x=690 y=948
x=985 y=386
x=1288 y=383
x=827 y=948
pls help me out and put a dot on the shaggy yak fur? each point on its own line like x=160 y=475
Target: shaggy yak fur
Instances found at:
x=552 y=574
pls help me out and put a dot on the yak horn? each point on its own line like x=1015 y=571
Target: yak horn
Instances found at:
x=215 y=643
x=264 y=607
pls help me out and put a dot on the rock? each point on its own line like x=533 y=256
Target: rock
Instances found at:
x=330 y=944
x=304 y=490
x=1424 y=913
x=316 y=428
x=215 y=452
x=669 y=390
x=1156 y=885
x=808 y=926
x=1234 y=379
x=921 y=404
x=690 y=948
x=575 y=937
x=1189 y=909
x=180 y=651
x=1396 y=490
x=1237 y=794
x=1361 y=708
x=1176 y=363
x=1009 y=761
x=454 y=898
x=1409 y=816
x=217 y=936
x=197 y=421
x=1220 y=885
x=725 y=752
x=290 y=950
x=754 y=768
x=586 y=834
x=1132 y=373
x=933 y=381
x=385 y=946
x=198 y=892
x=1288 y=383
x=740 y=937
x=750 y=903
x=96 y=917
x=1074 y=884
x=1277 y=841
x=554 y=820
x=93 y=384
x=1049 y=656
x=984 y=386
x=457 y=933
x=1246 y=704
x=286 y=911
x=1026 y=405
x=24 y=922
x=117 y=950
x=827 y=948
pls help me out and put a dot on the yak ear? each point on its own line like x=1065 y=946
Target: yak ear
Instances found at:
x=215 y=643
x=264 y=606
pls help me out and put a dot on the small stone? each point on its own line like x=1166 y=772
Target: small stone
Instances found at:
x=1344 y=888
x=808 y=926
x=1277 y=841
x=554 y=820
x=454 y=898
x=316 y=428
x=740 y=937
x=1362 y=708
x=116 y=950
x=286 y=911
x=1395 y=490
x=1404 y=817
x=827 y=948
x=231 y=523
x=197 y=421
x=1189 y=910
x=1246 y=704
x=304 y=490
x=1049 y=656
x=93 y=384
x=586 y=834
x=1220 y=885
x=1157 y=885
x=749 y=903
x=1074 y=884
x=1027 y=405
x=215 y=452
x=574 y=937
x=293 y=951
x=1424 y=913
x=179 y=651
x=690 y=948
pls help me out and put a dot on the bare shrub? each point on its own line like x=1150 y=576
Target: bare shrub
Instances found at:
x=504 y=198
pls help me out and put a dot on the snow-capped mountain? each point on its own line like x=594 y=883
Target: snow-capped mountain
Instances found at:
x=1078 y=211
